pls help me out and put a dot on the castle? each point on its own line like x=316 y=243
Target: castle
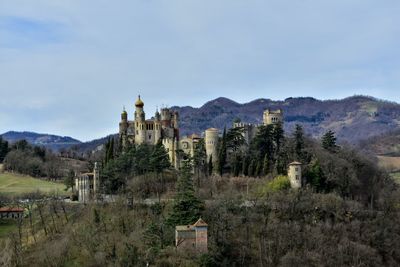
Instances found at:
x=192 y=237
x=164 y=126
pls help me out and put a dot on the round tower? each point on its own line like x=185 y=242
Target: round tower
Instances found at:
x=294 y=173
x=211 y=140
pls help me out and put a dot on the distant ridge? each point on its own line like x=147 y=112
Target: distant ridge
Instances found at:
x=353 y=118
x=53 y=142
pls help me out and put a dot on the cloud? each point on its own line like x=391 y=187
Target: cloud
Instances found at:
x=68 y=67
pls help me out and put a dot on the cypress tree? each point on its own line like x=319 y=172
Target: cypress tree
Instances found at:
x=298 y=136
x=210 y=166
x=222 y=154
x=329 y=141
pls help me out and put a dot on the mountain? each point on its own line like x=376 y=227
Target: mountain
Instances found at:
x=353 y=119
x=49 y=141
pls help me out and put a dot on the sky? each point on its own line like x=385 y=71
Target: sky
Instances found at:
x=69 y=67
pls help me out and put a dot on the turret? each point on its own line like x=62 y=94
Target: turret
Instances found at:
x=165 y=117
x=272 y=117
x=139 y=113
x=211 y=140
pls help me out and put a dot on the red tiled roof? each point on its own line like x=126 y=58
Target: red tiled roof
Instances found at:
x=10 y=209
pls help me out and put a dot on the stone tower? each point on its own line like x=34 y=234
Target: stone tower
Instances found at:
x=140 y=122
x=211 y=140
x=272 y=117
x=294 y=173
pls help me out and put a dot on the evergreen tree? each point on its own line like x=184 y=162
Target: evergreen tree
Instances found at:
x=329 y=141
x=316 y=177
x=278 y=135
x=187 y=207
x=200 y=159
x=298 y=137
x=4 y=149
x=210 y=166
x=235 y=138
x=222 y=154
x=159 y=159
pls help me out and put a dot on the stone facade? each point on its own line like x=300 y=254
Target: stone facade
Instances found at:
x=192 y=237
x=294 y=174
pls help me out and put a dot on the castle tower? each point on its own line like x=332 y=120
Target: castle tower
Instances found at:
x=200 y=228
x=272 y=117
x=175 y=120
x=211 y=140
x=140 y=122
x=157 y=127
x=294 y=173
x=165 y=117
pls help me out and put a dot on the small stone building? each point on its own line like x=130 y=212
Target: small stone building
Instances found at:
x=11 y=213
x=192 y=237
x=294 y=173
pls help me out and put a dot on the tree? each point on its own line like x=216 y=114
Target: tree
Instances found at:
x=222 y=154
x=69 y=180
x=210 y=166
x=278 y=135
x=187 y=207
x=298 y=137
x=4 y=149
x=159 y=159
x=329 y=141
x=200 y=160
x=235 y=138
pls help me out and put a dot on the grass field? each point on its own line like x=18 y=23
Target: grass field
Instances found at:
x=12 y=184
x=7 y=226
x=396 y=176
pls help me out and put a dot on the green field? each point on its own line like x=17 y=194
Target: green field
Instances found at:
x=7 y=226
x=12 y=184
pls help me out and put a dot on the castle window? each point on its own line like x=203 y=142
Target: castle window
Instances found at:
x=297 y=177
x=149 y=136
x=297 y=169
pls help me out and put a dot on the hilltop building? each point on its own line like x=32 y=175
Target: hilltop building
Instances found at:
x=192 y=237
x=164 y=126
x=87 y=185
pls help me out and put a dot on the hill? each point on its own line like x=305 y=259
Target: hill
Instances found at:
x=353 y=119
x=49 y=141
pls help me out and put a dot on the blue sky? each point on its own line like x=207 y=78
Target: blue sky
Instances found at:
x=68 y=67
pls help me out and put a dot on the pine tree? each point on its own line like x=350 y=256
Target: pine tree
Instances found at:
x=200 y=159
x=329 y=141
x=187 y=207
